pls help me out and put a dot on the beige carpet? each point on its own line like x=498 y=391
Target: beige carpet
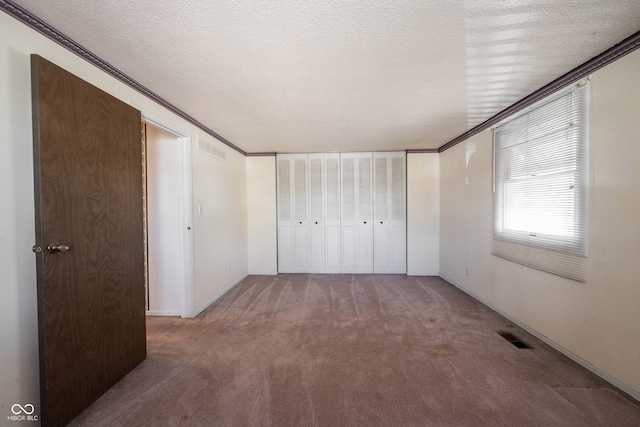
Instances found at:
x=352 y=350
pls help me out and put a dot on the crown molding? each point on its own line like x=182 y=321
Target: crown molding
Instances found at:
x=610 y=55
x=263 y=154
x=422 y=150
x=37 y=24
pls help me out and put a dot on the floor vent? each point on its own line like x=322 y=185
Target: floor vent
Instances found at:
x=513 y=339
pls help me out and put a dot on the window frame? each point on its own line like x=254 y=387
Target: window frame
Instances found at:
x=571 y=244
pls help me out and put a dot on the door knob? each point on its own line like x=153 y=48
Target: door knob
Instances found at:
x=57 y=247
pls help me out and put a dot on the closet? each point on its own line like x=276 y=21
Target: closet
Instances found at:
x=341 y=212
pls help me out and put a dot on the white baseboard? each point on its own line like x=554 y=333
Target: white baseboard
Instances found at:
x=615 y=382
x=423 y=273
x=161 y=313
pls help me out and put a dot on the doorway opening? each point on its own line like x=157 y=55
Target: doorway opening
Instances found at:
x=168 y=219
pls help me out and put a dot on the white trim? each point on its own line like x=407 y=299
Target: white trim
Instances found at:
x=216 y=298
x=186 y=200
x=160 y=313
x=608 y=378
x=160 y=122
x=189 y=298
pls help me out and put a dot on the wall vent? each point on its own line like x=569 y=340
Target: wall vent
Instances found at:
x=513 y=339
x=208 y=149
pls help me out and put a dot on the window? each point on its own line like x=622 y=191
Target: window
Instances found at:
x=541 y=186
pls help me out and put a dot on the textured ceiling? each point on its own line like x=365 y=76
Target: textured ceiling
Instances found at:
x=336 y=75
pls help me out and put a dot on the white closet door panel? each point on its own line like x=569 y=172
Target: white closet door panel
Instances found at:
x=398 y=189
x=357 y=212
x=364 y=187
x=381 y=202
x=365 y=248
x=381 y=208
x=390 y=216
x=397 y=248
x=284 y=190
x=300 y=176
x=300 y=188
x=332 y=186
x=316 y=214
x=333 y=251
x=380 y=251
x=285 y=214
x=316 y=187
x=398 y=223
x=285 y=249
x=349 y=245
x=365 y=212
x=348 y=213
x=348 y=185
x=316 y=249
x=300 y=255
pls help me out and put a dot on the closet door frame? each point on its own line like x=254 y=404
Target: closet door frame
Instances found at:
x=368 y=233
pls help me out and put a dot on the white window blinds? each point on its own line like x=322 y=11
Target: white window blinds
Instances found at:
x=541 y=186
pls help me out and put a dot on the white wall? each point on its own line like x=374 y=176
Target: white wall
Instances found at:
x=222 y=191
x=219 y=224
x=18 y=316
x=597 y=322
x=423 y=214
x=261 y=215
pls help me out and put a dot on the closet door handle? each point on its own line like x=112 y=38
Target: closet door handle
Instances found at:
x=300 y=222
x=380 y=222
x=365 y=222
x=316 y=222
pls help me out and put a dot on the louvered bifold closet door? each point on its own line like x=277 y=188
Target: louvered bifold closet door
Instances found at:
x=333 y=252
x=316 y=226
x=301 y=213
x=356 y=213
x=365 y=213
x=285 y=213
x=348 y=213
x=390 y=212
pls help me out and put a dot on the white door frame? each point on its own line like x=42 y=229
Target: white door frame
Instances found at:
x=186 y=207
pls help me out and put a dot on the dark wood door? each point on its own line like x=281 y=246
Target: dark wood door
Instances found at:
x=88 y=197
